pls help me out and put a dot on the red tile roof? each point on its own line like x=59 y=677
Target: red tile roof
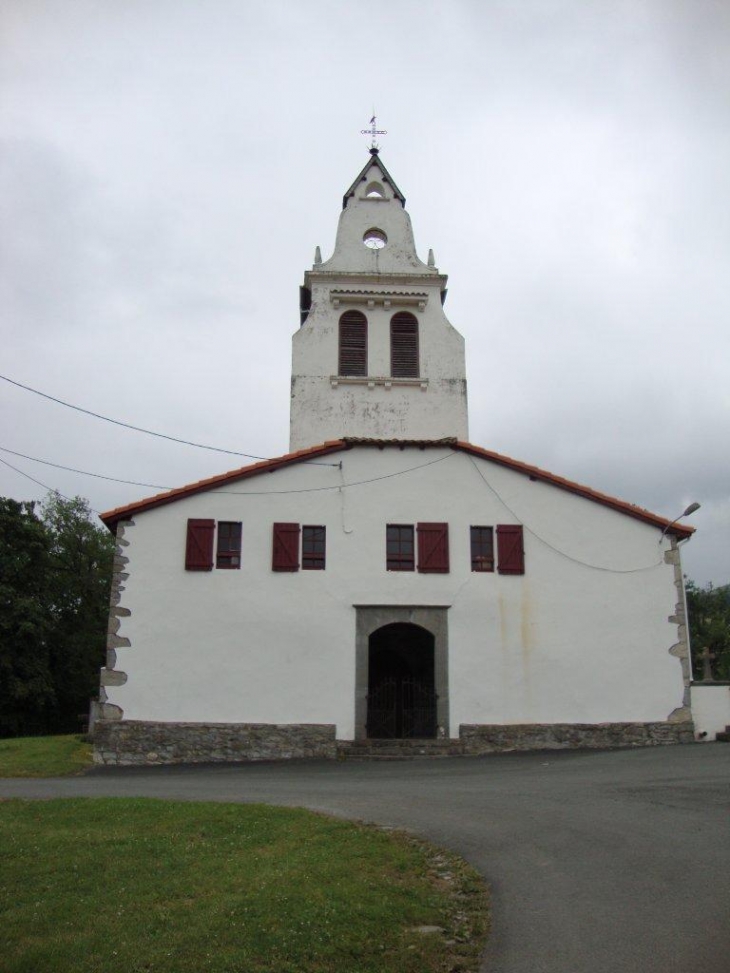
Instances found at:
x=112 y=517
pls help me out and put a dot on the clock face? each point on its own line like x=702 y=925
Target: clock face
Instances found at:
x=374 y=239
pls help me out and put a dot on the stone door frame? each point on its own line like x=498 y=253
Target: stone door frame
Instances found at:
x=433 y=618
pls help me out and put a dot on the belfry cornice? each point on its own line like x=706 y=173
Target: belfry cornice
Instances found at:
x=381 y=282
x=380 y=298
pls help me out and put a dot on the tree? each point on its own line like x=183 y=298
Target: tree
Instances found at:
x=709 y=625
x=81 y=564
x=55 y=572
x=27 y=697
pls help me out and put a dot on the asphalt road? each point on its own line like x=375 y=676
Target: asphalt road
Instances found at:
x=599 y=862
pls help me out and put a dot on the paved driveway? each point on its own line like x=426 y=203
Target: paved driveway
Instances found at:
x=602 y=862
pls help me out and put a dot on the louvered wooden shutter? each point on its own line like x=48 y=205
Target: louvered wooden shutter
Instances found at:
x=510 y=549
x=353 y=344
x=199 y=546
x=404 y=346
x=286 y=547
x=433 y=548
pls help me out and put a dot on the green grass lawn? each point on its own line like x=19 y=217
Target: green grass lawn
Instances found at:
x=145 y=886
x=44 y=756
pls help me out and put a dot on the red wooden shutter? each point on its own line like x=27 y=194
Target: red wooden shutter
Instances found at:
x=510 y=549
x=403 y=345
x=286 y=547
x=199 y=546
x=433 y=548
x=353 y=344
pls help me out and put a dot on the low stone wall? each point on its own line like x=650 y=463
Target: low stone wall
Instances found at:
x=128 y=742
x=492 y=738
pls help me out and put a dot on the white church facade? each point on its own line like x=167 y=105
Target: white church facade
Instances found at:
x=386 y=580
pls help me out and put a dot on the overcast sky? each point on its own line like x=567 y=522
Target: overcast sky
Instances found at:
x=168 y=167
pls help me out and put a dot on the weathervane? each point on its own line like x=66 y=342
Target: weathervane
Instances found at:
x=372 y=132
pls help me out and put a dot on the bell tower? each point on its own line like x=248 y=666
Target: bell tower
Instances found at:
x=375 y=356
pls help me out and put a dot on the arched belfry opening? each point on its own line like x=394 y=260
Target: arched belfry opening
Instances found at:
x=401 y=683
x=374 y=190
x=401 y=672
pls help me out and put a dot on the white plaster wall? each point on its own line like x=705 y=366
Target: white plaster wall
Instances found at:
x=316 y=343
x=710 y=710
x=320 y=412
x=361 y=214
x=563 y=643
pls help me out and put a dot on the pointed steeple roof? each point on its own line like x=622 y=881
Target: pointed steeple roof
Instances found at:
x=385 y=174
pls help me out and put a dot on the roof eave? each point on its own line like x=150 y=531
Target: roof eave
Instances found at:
x=682 y=532
x=112 y=517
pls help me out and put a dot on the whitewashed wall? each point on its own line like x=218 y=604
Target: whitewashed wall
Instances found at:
x=563 y=643
x=710 y=710
x=323 y=410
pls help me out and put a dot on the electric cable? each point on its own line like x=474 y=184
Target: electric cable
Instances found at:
x=71 y=469
x=234 y=493
x=339 y=486
x=38 y=482
x=148 y=432
x=569 y=557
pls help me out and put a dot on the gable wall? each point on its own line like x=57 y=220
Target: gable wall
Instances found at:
x=563 y=643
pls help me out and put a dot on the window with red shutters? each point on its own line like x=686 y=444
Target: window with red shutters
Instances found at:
x=399 y=547
x=510 y=549
x=404 y=345
x=228 y=551
x=314 y=546
x=482 y=548
x=286 y=547
x=353 y=358
x=433 y=548
x=199 y=545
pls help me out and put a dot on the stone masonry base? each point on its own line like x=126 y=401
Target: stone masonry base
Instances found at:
x=127 y=742
x=493 y=738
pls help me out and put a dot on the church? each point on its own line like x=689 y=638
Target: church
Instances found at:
x=387 y=586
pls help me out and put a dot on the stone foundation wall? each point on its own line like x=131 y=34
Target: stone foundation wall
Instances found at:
x=128 y=742
x=492 y=738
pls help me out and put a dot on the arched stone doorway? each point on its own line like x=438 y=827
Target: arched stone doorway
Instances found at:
x=401 y=642
x=401 y=683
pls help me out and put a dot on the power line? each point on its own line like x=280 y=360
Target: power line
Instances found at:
x=234 y=493
x=569 y=557
x=71 y=469
x=337 y=486
x=148 y=432
x=38 y=482
x=28 y=476
x=341 y=486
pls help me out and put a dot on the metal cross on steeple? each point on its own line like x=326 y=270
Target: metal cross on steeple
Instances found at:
x=372 y=132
